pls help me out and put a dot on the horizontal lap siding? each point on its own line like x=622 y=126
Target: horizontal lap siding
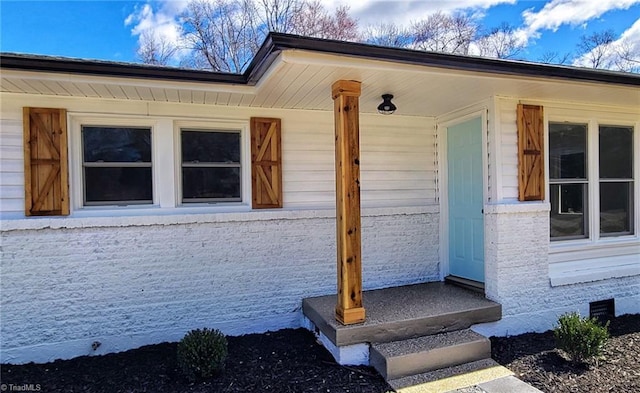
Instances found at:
x=11 y=166
x=509 y=147
x=397 y=153
x=398 y=161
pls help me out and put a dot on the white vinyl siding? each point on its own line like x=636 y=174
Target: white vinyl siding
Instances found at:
x=397 y=152
x=12 y=165
x=507 y=118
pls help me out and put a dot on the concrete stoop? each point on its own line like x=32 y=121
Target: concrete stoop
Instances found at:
x=417 y=335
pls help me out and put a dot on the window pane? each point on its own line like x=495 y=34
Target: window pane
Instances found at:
x=616 y=152
x=616 y=207
x=567 y=210
x=567 y=151
x=200 y=146
x=113 y=144
x=117 y=184
x=211 y=183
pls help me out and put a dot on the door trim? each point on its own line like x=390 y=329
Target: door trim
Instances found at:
x=443 y=180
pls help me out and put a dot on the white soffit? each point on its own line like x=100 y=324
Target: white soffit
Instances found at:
x=72 y=85
x=300 y=79
x=420 y=90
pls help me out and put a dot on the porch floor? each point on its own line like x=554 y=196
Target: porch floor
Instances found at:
x=404 y=312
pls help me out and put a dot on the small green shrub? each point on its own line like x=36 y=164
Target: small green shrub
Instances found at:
x=202 y=353
x=581 y=338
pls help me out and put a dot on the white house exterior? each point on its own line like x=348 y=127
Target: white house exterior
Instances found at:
x=130 y=272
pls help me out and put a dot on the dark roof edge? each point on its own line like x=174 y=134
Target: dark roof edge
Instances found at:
x=276 y=42
x=113 y=69
x=455 y=62
x=262 y=61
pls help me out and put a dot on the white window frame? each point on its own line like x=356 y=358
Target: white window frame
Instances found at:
x=242 y=127
x=165 y=158
x=76 y=159
x=562 y=182
x=595 y=257
x=86 y=165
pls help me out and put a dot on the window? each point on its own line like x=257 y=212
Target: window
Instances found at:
x=616 y=180
x=590 y=194
x=116 y=165
x=568 y=180
x=140 y=165
x=211 y=170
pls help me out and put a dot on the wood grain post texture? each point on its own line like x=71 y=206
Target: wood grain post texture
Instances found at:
x=345 y=94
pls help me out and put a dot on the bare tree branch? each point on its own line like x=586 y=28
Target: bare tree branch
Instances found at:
x=627 y=56
x=153 y=50
x=444 y=33
x=387 y=34
x=313 y=20
x=223 y=34
x=278 y=15
x=596 y=49
x=499 y=42
x=553 y=57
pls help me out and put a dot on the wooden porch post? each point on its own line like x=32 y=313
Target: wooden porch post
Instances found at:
x=345 y=96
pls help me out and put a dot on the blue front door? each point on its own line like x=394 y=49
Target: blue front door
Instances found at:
x=465 y=196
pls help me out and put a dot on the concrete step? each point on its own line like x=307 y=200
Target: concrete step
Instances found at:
x=451 y=378
x=418 y=355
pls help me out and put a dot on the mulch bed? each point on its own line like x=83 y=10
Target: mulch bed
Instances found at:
x=284 y=361
x=533 y=359
x=290 y=360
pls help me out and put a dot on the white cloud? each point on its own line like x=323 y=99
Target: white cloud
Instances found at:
x=406 y=11
x=159 y=19
x=633 y=34
x=566 y=12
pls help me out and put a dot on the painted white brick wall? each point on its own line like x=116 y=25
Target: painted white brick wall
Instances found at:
x=130 y=282
x=517 y=274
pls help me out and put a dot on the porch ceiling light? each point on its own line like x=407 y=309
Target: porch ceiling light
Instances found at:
x=387 y=107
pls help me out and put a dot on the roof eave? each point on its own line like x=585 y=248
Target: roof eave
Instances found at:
x=277 y=42
x=453 y=62
x=100 y=68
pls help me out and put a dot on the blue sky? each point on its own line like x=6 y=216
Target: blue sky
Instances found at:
x=98 y=29
x=86 y=29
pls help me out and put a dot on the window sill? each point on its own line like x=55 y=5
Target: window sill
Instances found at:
x=584 y=261
x=567 y=273
x=584 y=249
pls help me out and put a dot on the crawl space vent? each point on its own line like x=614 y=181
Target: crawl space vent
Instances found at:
x=603 y=310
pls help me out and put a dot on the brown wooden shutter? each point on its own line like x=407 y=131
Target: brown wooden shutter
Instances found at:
x=45 y=162
x=266 y=163
x=530 y=153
